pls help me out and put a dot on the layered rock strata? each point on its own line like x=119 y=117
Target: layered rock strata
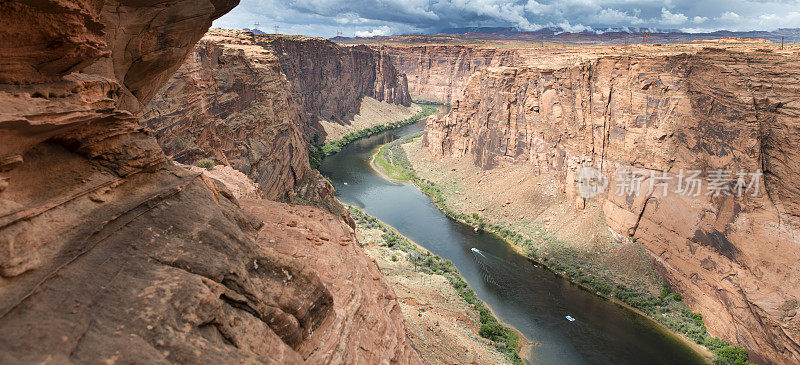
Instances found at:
x=440 y=72
x=732 y=257
x=328 y=81
x=254 y=102
x=230 y=102
x=111 y=253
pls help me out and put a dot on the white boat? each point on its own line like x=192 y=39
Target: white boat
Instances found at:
x=475 y=250
x=570 y=318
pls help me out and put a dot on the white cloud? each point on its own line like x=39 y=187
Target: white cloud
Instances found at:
x=699 y=19
x=567 y=27
x=502 y=10
x=734 y=21
x=615 y=17
x=670 y=18
x=350 y=18
x=729 y=16
x=377 y=32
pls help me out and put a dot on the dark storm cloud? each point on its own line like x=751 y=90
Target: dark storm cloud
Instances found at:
x=383 y=17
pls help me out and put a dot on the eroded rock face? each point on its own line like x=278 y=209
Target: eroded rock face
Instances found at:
x=366 y=325
x=230 y=102
x=255 y=101
x=440 y=72
x=109 y=252
x=733 y=258
x=328 y=81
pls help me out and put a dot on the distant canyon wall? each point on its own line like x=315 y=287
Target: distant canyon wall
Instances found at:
x=254 y=102
x=733 y=258
x=109 y=252
x=328 y=81
x=440 y=72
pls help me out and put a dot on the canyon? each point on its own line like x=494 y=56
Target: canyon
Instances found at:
x=256 y=102
x=112 y=251
x=648 y=109
x=109 y=251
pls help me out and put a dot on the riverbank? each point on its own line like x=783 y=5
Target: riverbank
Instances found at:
x=318 y=152
x=449 y=191
x=371 y=112
x=444 y=318
x=429 y=102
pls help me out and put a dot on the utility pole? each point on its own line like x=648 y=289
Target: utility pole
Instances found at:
x=277 y=27
x=338 y=34
x=781 y=42
x=256 y=25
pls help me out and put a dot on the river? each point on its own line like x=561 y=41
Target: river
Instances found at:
x=529 y=298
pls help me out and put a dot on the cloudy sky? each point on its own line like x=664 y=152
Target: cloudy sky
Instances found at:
x=387 y=17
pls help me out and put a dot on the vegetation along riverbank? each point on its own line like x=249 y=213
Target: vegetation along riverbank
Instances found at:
x=545 y=248
x=318 y=152
x=409 y=267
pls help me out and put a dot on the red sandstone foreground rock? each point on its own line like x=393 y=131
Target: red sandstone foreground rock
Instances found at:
x=109 y=252
x=734 y=259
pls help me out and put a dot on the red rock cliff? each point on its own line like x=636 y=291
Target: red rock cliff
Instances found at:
x=229 y=101
x=109 y=252
x=328 y=81
x=440 y=72
x=248 y=101
x=733 y=258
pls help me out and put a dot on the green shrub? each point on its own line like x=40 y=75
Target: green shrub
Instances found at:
x=492 y=331
x=428 y=102
x=331 y=147
x=731 y=355
x=664 y=292
x=315 y=155
x=205 y=163
x=505 y=340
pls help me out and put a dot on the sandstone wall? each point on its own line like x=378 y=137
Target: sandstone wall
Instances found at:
x=328 y=81
x=111 y=253
x=440 y=72
x=229 y=101
x=255 y=101
x=733 y=258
